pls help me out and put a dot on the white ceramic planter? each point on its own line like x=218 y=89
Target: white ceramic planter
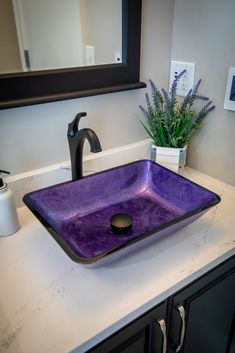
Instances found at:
x=171 y=158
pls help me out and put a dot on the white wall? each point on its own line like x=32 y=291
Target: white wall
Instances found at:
x=35 y=136
x=204 y=33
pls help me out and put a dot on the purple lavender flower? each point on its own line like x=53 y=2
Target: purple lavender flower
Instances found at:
x=190 y=98
x=206 y=109
x=153 y=87
x=195 y=91
x=144 y=111
x=171 y=124
x=202 y=98
x=203 y=112
x=167 y=105
x=186 y=101
x=157 y=98
x=175 y=84
x=209 y=110
x=149 y=105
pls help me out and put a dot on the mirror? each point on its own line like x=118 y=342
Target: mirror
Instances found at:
x=33 y=87
x=52 y=34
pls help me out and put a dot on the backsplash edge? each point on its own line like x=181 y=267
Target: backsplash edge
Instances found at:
x=32 y=180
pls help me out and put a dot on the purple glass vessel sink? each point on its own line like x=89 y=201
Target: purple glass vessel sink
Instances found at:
x=158 y=201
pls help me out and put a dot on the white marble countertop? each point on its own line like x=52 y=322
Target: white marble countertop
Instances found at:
x=48 y=303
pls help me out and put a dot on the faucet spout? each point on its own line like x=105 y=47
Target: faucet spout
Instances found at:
x=76 y=140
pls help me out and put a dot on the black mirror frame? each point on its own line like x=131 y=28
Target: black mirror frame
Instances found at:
x=27 y=88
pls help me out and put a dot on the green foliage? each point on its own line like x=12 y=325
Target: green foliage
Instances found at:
x=171 y=123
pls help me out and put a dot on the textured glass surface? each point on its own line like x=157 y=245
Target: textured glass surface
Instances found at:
x=79 y=211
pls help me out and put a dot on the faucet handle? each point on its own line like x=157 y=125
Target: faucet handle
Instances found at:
x=73 y=126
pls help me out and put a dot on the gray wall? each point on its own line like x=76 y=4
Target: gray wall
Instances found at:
x=204 y=33
x=35 y=136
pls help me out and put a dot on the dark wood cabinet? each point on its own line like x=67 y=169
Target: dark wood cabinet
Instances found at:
x=144 y=335
x=209 y=309
x=200 y=318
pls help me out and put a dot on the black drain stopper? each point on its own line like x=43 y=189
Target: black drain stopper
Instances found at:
x=121 y=223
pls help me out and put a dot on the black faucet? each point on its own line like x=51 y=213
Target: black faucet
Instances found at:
x=76 y=139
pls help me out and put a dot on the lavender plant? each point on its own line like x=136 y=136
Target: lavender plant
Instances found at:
x=171 y=123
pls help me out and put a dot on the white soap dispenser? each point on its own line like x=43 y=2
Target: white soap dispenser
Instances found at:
x=9 y=222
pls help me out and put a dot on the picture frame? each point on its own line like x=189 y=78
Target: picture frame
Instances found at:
x=229 y=100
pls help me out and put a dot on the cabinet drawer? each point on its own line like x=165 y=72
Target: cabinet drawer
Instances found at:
x=203 y=314
x=143 y=335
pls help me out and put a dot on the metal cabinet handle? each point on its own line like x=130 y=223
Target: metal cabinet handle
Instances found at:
x=162 y=324
x=181 y=311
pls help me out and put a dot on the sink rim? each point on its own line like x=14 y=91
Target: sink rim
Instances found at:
x=91 y=260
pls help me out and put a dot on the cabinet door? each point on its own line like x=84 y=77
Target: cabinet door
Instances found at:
x=144 y=335
x=209 y=309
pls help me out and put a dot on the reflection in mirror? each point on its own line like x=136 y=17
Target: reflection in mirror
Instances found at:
x=52 y=34
x=33 y=87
